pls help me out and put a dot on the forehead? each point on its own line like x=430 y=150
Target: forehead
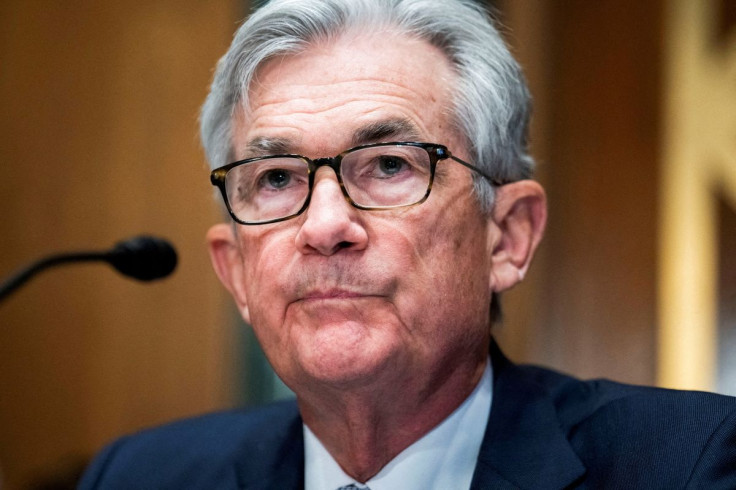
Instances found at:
x=323 y=99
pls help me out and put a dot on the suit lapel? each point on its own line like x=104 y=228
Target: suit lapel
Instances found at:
x=275 y=462
x=524 y=445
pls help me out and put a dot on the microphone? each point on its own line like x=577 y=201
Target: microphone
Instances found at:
x=145 y=258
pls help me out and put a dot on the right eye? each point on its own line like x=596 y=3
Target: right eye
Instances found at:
x=275 y=179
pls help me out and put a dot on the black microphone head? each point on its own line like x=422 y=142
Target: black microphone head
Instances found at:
x=144 y=258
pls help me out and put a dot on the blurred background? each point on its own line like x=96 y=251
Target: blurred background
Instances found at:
x=635 y=137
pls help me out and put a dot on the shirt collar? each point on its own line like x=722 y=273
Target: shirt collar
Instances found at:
x=445 y=457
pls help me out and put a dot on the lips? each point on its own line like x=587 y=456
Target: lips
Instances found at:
x=333 y=294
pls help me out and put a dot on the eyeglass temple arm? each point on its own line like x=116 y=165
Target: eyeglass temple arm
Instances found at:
x=492 y=180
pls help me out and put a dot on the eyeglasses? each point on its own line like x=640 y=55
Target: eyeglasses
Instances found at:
x=373 y=177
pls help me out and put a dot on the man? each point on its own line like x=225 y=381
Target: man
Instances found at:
x=372 y=157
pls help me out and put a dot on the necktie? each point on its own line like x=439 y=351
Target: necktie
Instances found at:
x=353 y=486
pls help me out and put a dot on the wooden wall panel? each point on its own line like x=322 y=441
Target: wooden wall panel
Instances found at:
x=98 y=141
x=590 y=305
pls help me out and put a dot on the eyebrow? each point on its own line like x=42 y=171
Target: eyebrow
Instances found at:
x=401 y=128
x=263 y=146
x=375 y=132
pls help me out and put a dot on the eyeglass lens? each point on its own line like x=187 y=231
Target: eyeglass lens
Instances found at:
x=373 y=177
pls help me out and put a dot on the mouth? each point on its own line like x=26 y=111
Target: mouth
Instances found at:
x=333 y=294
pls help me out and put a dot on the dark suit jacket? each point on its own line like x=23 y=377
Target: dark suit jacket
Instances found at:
x=545 y=431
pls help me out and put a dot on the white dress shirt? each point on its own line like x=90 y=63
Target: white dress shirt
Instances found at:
x=443 y=458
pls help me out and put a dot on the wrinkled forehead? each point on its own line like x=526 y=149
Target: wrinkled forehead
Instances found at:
x=372 y=76
x=364 y=51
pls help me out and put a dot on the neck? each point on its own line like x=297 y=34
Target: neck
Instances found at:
x=364 y=429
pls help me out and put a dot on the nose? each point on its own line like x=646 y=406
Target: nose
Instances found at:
x=330 y=224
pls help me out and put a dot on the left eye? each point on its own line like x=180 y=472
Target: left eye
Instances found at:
x=391 y=165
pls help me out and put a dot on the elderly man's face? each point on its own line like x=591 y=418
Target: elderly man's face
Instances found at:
x=344 y=297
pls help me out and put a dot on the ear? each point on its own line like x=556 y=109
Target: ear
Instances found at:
x=518 y=219
x=227 y=261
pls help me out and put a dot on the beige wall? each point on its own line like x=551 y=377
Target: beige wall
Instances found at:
x=698 y=168
x=98 y=141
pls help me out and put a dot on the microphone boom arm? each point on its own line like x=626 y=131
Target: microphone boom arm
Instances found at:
x=24 y=275
x=145 y=258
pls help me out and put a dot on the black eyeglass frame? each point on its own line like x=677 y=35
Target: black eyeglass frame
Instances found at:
x=435 y=151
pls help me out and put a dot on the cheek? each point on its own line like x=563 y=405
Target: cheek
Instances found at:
x=446 y=265
x=267 y=303
x=266 y=260
x=454 y=238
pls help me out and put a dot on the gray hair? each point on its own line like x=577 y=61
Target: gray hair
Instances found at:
x=491 y=103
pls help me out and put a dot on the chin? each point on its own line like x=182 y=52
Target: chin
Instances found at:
x=342 y=360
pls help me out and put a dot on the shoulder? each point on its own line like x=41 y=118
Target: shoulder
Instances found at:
x=685 y=436
x=197 y=452
x=581 y=402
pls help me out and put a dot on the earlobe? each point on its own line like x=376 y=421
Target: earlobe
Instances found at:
x=228 y=264
x=518 y=220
